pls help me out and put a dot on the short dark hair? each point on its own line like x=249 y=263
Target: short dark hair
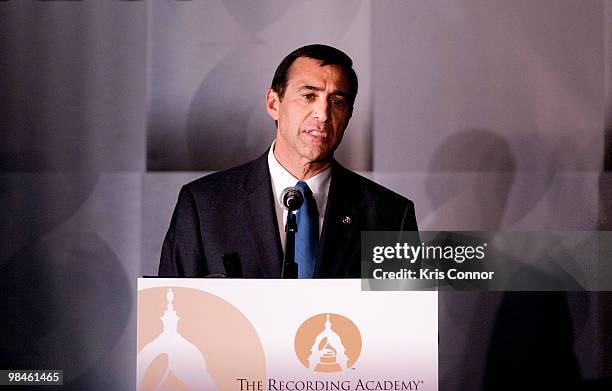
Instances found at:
x=327 y=55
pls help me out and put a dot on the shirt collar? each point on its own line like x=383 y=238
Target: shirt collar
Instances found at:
x=281 y=179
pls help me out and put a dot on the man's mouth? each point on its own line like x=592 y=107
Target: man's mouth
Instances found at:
x=317 y=133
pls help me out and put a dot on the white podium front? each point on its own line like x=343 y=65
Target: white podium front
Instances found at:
x=290 y=335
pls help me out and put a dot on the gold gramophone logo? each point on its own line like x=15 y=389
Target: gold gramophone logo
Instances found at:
x=328 y=343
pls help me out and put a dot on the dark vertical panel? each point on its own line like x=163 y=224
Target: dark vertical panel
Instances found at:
x=72 y=104
x=604 y=299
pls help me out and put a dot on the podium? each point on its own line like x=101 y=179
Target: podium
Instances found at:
x=292 y=335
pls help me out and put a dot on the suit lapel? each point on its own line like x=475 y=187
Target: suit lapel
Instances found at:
x=341 y=233
x=341 y=226
x=261 y=218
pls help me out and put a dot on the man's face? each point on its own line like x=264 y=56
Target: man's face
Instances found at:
x=312 y=114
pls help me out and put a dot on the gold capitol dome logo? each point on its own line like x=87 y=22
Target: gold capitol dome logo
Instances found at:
x=328 y=343
x=187 y=337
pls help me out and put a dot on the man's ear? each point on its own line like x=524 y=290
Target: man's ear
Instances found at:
x=272 y=103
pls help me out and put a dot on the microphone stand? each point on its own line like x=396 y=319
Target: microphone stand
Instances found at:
x=290 y=268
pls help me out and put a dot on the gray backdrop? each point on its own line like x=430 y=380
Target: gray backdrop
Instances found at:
x=488 y=114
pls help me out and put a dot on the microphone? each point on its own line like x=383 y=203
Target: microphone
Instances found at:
x=291 y=198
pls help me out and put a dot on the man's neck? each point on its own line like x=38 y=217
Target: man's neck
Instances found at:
x=303 y=170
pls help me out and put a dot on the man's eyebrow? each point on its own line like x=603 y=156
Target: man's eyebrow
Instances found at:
x=314 y=88
x=310 y=88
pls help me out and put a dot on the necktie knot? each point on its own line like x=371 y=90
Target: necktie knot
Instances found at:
x=303 y=187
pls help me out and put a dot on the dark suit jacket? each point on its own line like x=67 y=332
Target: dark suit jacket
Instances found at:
x=233 y=211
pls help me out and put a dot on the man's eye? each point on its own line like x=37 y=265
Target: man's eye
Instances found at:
x=308 y=96
x=338 y=103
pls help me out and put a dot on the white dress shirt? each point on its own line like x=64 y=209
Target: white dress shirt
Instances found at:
x=281 y=179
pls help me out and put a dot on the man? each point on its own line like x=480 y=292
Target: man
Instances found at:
x=239 y=211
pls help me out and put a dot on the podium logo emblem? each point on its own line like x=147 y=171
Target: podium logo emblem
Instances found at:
x=328 y=343
x=186 y=337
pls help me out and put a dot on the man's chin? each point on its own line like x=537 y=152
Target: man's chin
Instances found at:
x=322 y=158
x=318 y=155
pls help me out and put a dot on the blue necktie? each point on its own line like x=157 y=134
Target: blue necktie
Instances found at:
x=307 y=235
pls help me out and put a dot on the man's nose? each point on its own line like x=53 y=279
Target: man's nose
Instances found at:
x=321 y=110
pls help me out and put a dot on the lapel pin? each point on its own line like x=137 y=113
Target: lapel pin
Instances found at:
x=346 y=220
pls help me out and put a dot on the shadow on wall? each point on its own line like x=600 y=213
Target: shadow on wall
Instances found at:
x=227 y=124
x=475 y=181
x=66 y=297
x=532 y=343
x=511 y=340
x=470 y=177
x=605 y=224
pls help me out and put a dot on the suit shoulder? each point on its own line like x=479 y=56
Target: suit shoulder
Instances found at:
x=373 y=190
x=222 y=180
